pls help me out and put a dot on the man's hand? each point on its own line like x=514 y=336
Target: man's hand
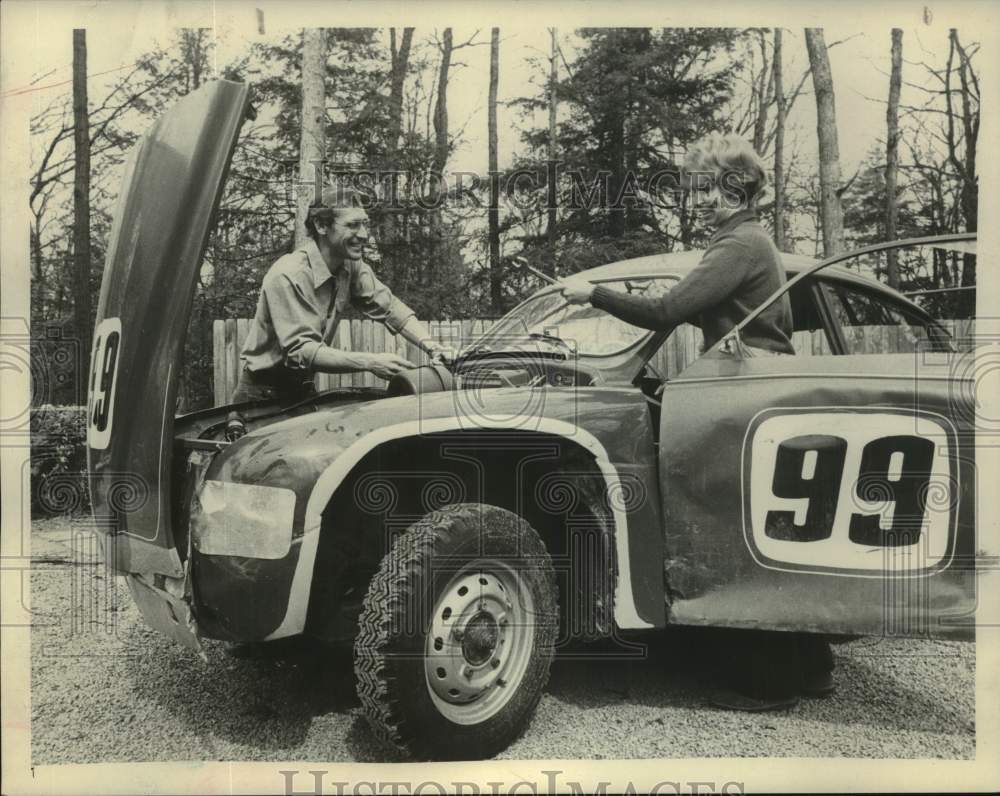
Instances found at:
x=385 y=366
x=576 y=291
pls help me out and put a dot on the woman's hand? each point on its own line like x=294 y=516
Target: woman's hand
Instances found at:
x=576 y=291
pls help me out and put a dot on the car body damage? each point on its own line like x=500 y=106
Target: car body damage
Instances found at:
x=313 y=455
x=833 y=493
x=720 y=569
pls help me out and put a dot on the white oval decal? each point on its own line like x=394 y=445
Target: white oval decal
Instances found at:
x=103 y=381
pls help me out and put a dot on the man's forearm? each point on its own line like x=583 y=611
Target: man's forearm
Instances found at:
x=332 y=360
x=416 y=332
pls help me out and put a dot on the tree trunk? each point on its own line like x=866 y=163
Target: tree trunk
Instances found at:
x=616 y=218
x=763 y=90
x=779 y=148
x=441 y=111
x=441 y=148
x=496 y=296
x=37 y=271
x=400 y=64
x=553 y=175
x=312 y=140
x=81 y=200
x=892 y=155
x=831 y=212
x=400 y=61
x=969 y=191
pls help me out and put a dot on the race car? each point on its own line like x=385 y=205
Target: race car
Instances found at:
x=560 y=481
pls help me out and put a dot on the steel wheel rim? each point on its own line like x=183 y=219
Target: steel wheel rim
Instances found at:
x=480 y=641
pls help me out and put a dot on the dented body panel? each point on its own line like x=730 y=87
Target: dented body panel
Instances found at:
x=731 y=563
x=784 y=493
x=249 y=598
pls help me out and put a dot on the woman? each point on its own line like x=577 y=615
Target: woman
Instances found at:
x=741 y=266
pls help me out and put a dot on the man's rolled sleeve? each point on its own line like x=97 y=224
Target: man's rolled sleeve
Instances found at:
x=376 y=301
x=295 y=321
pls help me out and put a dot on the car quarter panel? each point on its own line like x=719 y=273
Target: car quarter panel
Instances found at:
x=239 y=597
x=831 y=494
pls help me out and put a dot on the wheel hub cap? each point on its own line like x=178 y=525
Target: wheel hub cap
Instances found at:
x=479 y=642
x=480 y=638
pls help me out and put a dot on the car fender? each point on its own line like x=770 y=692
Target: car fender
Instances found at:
x=313 y=454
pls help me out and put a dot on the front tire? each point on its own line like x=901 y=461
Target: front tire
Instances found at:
x=456 y=634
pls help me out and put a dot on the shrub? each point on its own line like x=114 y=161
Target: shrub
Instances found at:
x=59 y=460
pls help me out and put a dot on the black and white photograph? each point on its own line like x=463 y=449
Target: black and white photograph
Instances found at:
x=499 y=398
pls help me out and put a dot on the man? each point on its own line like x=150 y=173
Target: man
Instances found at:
x=305 y=294
x=741 y=266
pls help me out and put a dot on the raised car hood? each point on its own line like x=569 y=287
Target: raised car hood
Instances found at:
x=169 y=193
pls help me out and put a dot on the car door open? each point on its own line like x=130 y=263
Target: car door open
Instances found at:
x=830 y=493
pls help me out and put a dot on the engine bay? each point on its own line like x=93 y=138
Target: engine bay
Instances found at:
x=212 y=429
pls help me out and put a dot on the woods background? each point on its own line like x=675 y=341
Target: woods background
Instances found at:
x=607 y=105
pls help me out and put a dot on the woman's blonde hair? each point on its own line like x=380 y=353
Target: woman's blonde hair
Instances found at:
x=731 y=162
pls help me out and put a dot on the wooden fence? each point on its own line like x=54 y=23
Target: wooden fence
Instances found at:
x=352 y=335
x=681 y=349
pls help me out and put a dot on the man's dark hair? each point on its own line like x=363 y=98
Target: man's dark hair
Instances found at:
x=332 y=200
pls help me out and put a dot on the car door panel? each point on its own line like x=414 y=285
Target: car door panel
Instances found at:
x=828 y=494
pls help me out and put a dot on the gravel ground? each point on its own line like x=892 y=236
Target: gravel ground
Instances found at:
x=105 y=688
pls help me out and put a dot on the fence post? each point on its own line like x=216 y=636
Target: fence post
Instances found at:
x=218 y=364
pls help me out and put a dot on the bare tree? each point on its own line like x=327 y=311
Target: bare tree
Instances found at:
x=54 y=162
x=397 y=79
x=398 y=68
x=892 y=154
x=764 y=93
x=952 y=187
x=779 y=146
x=966 y=138
x=494 y=207
x=81 y=198
x=441 y=149
x=312 y=140
x=442 y=140
x=831 y=212
x=441 y=113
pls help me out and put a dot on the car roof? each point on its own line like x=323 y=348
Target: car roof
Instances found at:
x=681 y=263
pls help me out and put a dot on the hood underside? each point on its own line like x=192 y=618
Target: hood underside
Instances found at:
x=163 y=219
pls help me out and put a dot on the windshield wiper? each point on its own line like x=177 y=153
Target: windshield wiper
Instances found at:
x=551 y=338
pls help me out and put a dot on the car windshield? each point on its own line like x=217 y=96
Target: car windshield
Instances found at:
x=548 y=320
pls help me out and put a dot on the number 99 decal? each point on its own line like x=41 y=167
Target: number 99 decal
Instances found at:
x=847 y=491
x=103 y=381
